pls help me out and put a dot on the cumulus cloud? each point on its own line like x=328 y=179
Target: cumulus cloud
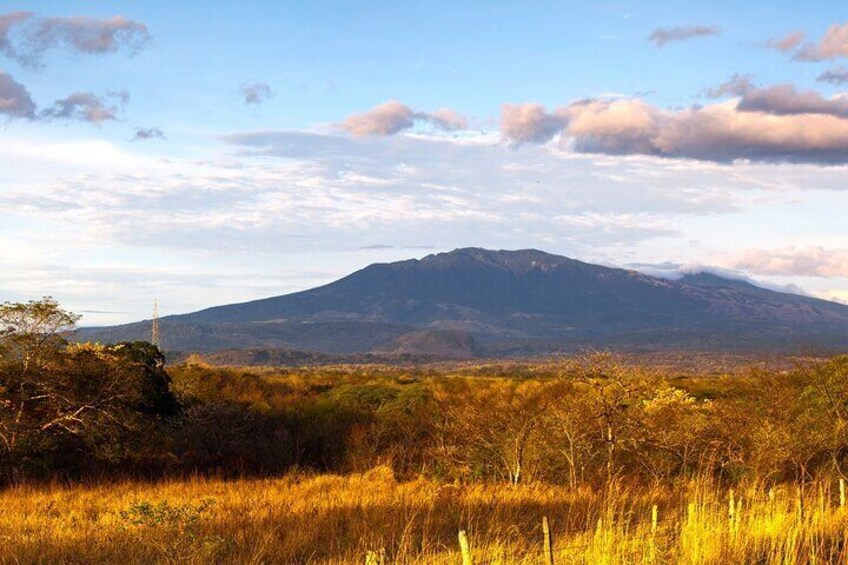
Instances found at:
x=833 y=44
x=256 y=92
x=792 y=261
x=393 y=117
x=15 y=100
x=595 y=125
x=661 y=36
x=783 y=130
x=780 y=99
x=786 y=43
x=530 y=122
x=87 y=107
x=836 y=75
x=388 y=118
x=615 y=126
x=142 y=134
x=25 y=36
x=785 y=99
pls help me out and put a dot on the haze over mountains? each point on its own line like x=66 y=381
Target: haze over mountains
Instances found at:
x=475 y=302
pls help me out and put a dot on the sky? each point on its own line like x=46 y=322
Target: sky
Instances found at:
x=205 y=153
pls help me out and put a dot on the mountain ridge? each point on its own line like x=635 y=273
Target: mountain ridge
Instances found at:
x=497 y=301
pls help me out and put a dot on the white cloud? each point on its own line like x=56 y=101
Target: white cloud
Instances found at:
x=792 y=261
x=835 y=295
x=327 y=192
x=833 y=44
x=64 y=156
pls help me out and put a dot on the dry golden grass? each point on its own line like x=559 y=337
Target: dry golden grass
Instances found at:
x=333 y=519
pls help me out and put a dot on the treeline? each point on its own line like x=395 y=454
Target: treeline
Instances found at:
x=595 y=420
x=89 y=411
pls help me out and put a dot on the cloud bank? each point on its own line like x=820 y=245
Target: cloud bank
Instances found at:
x=295 y=194
x=336 y=192
x=793 y=261
x=786 y=100
x=776 y=124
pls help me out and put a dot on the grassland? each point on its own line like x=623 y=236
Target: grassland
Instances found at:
x=337 y=519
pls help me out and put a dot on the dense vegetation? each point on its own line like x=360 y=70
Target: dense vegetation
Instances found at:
x=77 y=411
x=581 y=423
x=415 y=452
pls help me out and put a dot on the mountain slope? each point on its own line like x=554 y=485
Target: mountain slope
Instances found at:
x=507 y=302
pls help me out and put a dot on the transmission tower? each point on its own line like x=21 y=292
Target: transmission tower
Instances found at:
x=154 y=333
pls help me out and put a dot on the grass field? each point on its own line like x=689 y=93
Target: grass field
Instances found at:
x=334 y=519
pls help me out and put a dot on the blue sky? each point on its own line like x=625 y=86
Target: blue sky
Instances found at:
x=327 y=59
x=612 y=151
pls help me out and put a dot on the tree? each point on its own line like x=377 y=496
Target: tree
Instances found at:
x=29 y=334
x=676 y=432
x=30 y=331
x=491 y=430
x=61 y=400
x=570 y=438
x=613 y=392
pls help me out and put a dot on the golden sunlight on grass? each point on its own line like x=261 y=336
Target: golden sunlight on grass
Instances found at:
x=333 y=519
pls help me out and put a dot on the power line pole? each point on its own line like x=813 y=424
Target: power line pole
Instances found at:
x=154 y=333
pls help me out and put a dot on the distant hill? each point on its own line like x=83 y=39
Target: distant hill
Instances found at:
x=476 y=302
